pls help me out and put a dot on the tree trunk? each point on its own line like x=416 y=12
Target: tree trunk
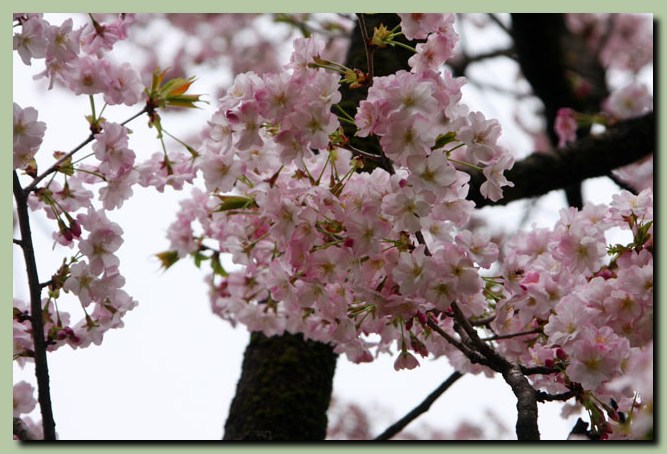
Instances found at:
x=284 y=390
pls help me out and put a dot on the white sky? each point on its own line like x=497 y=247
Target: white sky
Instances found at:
x=171 y=372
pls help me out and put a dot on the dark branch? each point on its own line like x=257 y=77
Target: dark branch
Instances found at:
x=496 y=20
x=538 y=370
x=546 y=397
x=41 y=364
x=526 y=423
x=419 y=409
x=593 y=156
x=460 y=64
x=512 y=335
x=369 y=51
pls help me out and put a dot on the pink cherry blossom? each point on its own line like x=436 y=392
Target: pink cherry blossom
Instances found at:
x=419 y=25
x=88 y=75
x=480 y=138
x=432 y=54
x=80 y=282
x=24 y=399
x=412 y=272
x=124 y=86
x=28 y=135
x=565 y=126
x=305 y=51
x=103 y=240
x=597 y=356
x=111 y=148
x=64 y=42
x=631 y=101
x=570 y=318
x=407 y=136
x=100 y=37
x=495 y=178
x=405 y=360
x=220 y=171
x=118 y=189
x=405 y=207
x=31 y=42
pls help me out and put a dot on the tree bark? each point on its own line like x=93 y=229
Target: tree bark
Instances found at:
x=284 y=390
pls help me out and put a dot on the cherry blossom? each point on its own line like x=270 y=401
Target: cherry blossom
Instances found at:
x=24 y=402
x=28 y=135
x=32 y=41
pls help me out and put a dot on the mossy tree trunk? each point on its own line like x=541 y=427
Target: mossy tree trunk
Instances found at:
x=284 y=390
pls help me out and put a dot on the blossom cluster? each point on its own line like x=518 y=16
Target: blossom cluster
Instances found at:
x=621 y=41
x=363 y=260
x=585 y=315
x=76 y=60
x=328 y=250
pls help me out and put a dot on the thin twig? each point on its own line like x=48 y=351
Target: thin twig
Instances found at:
x=369 y=51
x=28 y=189
x=512 y=335
x=460 y=65
x=546 y=397
x=472 y=355
x=496 y=20
x=41 y=364
x=419 y=409
x=483 y=321
x=364 y=154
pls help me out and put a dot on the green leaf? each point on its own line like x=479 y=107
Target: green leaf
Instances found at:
x=444 y=139
x=216 y=266
x=235 y=202
x=167 y=258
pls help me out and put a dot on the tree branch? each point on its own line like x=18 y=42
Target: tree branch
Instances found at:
x=459 y=64
x=526 y=423
x=546 y=397
x=593 y=156
x=419 y=409
x=41 y=364
x=512 y=335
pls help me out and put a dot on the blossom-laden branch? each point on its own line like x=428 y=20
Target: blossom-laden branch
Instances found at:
x=526 y=426
x=41 y=363
x=419 y=409
x=594 y=156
